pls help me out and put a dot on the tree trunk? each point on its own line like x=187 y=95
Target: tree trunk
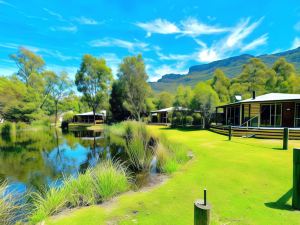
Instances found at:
x=203 y=122
x=94 y=114
x=56 y=109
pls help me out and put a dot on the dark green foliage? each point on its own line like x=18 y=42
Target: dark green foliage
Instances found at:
x=116 y=100
x=197 y=120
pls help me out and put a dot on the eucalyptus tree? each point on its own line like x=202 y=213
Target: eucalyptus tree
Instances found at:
x=60 y=89
x=29 y=64
x=221 y=84
x=133 y=75
x=93 y=80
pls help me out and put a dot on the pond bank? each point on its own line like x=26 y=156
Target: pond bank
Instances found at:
x=243 y=177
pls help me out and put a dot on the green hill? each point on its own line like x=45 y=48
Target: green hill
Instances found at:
x=231 y=66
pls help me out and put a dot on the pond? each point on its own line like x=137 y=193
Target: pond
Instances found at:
x=35 y=159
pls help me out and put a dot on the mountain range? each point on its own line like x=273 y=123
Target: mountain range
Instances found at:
x=231 y=66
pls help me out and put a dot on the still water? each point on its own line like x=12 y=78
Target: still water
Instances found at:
x=34 y=159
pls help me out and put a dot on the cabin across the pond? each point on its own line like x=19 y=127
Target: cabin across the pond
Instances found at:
x=269 y=110
x=88 y=117
x=162 y=116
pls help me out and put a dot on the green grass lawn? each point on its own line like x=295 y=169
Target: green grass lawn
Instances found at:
x=248 y=181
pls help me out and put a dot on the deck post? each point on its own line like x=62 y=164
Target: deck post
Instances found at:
x=296 y=179
x=229 y=133
x=285 y=138
x=202 y=211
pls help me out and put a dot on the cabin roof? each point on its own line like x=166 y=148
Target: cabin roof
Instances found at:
x=90 y=114
x=170 y=109
x=271 y=97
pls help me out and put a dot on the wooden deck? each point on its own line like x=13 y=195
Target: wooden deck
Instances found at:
x=257 y=132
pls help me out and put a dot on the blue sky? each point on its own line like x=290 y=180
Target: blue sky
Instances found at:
x=171 y=35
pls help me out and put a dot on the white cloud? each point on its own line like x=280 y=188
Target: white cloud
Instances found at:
x=54 y=14
x=262 y=40
x=159 y=26
x=297 y=26
x=296 y=43
x=195 y=28
x=241 y=31
x=86 y=21
x=71 y=29
x=208 y=55
x=114 y=42
x=112 y=61
x=177 y=68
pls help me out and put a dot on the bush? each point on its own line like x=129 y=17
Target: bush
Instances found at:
x=197 y=119
x=68 y=116
x=8 y=128
x=188 y=120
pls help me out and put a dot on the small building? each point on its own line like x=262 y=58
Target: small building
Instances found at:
x=88 y=117
x=161 y=115
x=273 y=110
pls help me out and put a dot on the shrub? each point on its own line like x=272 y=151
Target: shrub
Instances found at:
x=68 y=116
x=188 y=120
x=110 y=179
x=197 y=119
x=8 y=128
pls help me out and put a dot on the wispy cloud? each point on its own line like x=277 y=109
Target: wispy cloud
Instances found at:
x=114 y=42
x=296 y=43
x=159 y=26
x=241 y=31
x=262 y=40
x=43 y=51
x=86 y=21
x=176 y=68
x=71 y=28
x=55 y=14
x=6 y=3
x=193 y=27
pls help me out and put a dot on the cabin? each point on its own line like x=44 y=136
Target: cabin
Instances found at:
x=88 y=117
x=161 y=116
x=269 y=113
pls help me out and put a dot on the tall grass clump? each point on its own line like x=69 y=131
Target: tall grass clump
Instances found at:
x=110 y=179
x=10 y=208
x=94 y=186
x=47 y=204
x=80 y=191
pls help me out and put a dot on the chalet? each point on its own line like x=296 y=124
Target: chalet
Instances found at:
x=262 y=116
x=161 y=116
x=88 y=117
x=269 y=110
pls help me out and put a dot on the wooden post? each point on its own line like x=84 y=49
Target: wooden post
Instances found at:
x=285 y=138
x=296 y=179
x=202 y=211
x=229 y=133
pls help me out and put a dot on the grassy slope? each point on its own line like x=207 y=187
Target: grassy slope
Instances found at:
x=242 y=178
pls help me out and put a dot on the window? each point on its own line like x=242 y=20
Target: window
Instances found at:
x=297 y=115
x=270 y=115
x=233 y=115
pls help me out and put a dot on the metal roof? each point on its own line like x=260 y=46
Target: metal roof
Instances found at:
x=271 y=97
x=170 y=109
x=91 y=114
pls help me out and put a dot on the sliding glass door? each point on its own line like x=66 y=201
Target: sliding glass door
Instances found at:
x=270 y=115
x=233 y=115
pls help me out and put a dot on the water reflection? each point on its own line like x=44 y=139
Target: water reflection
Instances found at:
x=37 y=158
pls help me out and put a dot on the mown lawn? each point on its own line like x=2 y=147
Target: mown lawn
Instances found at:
x=248 y=181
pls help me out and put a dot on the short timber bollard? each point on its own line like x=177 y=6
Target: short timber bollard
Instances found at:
x=229 y=133
x=285 y=138
x=202 y=211
x=296 y=179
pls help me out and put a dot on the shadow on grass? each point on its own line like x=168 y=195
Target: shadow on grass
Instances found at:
x=278 y=149
x=281 y=203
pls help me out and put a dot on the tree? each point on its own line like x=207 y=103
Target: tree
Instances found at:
x=164 y=100
x=93 y=80
x=28 y=63
x=285 y=77
x=254 y=77
x=205 y=100
x=61 y=88
x=49 y=80
x=221 y=85
x=117 y=97
x=134 y=77
x=183 y=96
